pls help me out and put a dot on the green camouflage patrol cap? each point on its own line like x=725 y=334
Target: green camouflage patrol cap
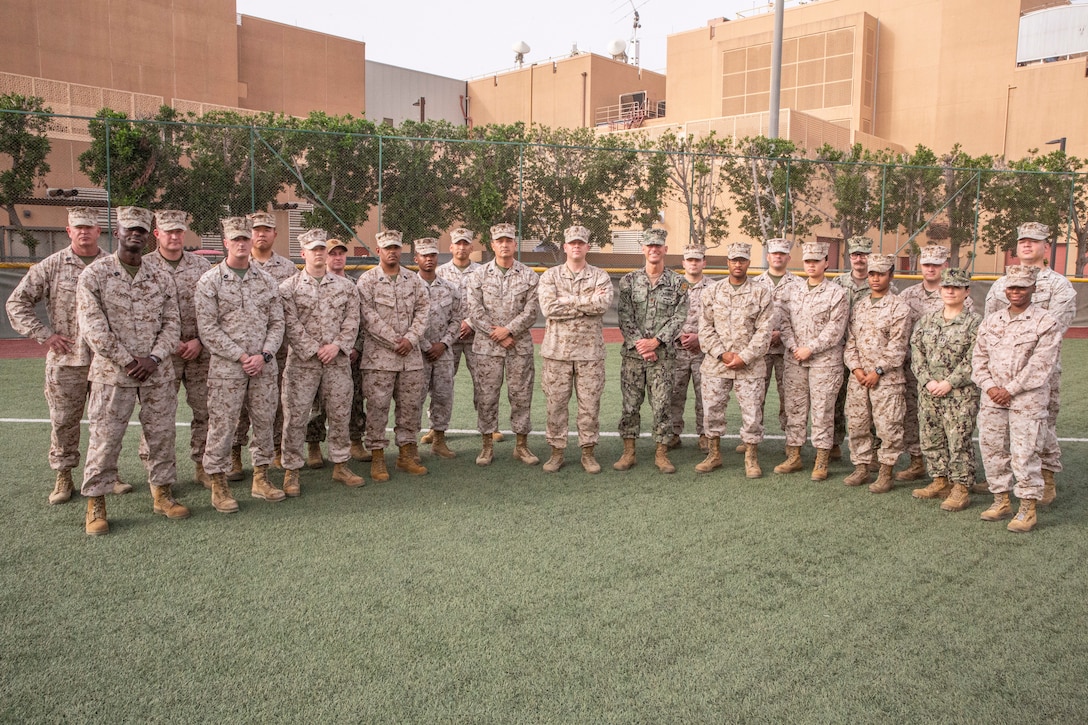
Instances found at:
x=654 y=237
x=955 y=278
x=859 y=245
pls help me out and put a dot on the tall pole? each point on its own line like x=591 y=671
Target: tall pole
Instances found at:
x=776 y=66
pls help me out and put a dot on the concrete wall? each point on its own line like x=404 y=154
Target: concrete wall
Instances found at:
x=391 y=91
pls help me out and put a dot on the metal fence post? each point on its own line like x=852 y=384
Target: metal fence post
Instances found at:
x=521 y=192
x=381 y=178
x=252 y=169
x=109 y=191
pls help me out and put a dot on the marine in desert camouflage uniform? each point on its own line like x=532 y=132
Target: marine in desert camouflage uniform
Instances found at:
x=1015 y=353
x=689 y=355
x=876 y=349
x=653 y=304
x=321 y=321
x=68 y=361
x=574 y=297
x=239 y=315
x=813 y=325
x=443 y=330
x=735 y=327
x=1054 y=293
x=128 y=315
x=190 y=359
x=395 y=310
x=948 y=400
x=502 y=307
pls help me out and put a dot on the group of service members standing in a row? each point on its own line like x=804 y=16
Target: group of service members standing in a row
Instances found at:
x=271 y=354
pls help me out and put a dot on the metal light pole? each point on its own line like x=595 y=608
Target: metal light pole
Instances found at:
x=776 y=67
x=422 y=103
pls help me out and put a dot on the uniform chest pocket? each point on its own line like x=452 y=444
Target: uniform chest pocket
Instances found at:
x=385 y=296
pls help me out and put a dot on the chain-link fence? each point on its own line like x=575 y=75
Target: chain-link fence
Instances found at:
x=354 y=178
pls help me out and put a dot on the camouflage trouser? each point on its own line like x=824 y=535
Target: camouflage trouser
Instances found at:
x=315 y=427
x=946 y=427
x=381 y=388
x=636 y=376
x=66 y=390
x=883 y=407
x=1051 y=453
x=300 y=386
x=586 y=378
x=1010 y=441
x=776 y=367
x=438 y=378
x=911 y=429
x=109 y=410
x=811 y=392
x=519 y=372
x=242 y=430
x=686 y=370
x=749 y=397
x=226 y=397
x=194 y=373
x=465 y=348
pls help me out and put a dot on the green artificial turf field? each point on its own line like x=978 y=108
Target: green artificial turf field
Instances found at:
x=507 y=595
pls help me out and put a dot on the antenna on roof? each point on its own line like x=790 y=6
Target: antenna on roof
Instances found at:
x=520 y=49
x=635 y=25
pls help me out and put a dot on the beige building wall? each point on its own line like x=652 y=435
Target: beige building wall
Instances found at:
x=567 y=93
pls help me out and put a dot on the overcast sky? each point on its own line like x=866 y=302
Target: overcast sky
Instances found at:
x=468 y=39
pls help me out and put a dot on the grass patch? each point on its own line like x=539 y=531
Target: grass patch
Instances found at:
x=508 y=595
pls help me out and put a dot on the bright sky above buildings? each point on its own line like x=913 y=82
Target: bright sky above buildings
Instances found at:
x=469 y=39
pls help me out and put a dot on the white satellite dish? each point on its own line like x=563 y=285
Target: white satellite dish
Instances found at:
x=520 y=48
x=617 y=46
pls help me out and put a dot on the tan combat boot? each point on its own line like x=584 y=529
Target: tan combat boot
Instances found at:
x=427 y=437
x=751 y=462
x=589 y=463
x=120 y=488
x=628 y=459
x=522 y=452
x=498 y=437
x=661 y=459
x=819 y=469
x=235 y=471
x=859 y=477
x=553 y=464
x=836 y=453
x=914 y=472
x=377 y=465
x=1049 y=491
x=938 y=488
x=292 y=487
x=741 y=448
x=222 y=500
x=487 y=450
x=884 y=480
x=980 y=487
x=673 y=442
x=63 y=488
x=1025 y=517
x=359 y=452
x=408 y=460
x=346 y=476
x=958 y=499
x=262 y=488
x=164 y=503
x=999 y=509
x=793 y=462
x=95 y=523
x=704 y=443
x=438 y=445
x=713 y=456
x=314 y=459
x=202 y=476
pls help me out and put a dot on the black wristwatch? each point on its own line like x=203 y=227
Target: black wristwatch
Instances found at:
x=156 y=359
x=267 y=356
x=879 y=370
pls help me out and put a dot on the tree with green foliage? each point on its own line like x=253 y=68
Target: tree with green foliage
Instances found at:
x=852 y=180
x=697 y=180
x=489 y=180
x=237 y=164
x=420 y=170
x=336 y=169
x=964 y=181
x=912 y=192
x=1037 y=188
x=24 y=143
x=136 y=160
x=768 y=181
x=573 y=176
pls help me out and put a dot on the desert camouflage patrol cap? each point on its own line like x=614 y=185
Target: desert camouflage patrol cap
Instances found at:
x=262 y=219
x=131 y=217
x=695 y=251
x=881 y=263
x=426 y=245
x=739 y=250
x=82 y=216
x=460 y=234
x=933 y=254
x=778 y=245
x=504 y=230
x=237 y=227
x=171 y=220
x=814 y=251
x=576 y=232
x=1020 y=275
x=313 y=238
x=1033 y=230
x=388 y=238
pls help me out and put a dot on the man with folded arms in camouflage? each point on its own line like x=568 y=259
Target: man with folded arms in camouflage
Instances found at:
x=321 y=318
